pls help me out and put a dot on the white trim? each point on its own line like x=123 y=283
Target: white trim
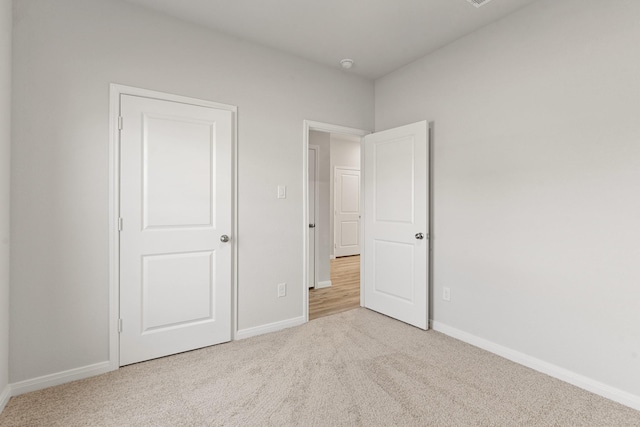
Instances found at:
x=430 y=225
x=586 y=383
x=324 y=284
x=270 y=327
x=308 y=125
x=59 y=378
x=114 y=235
x=316 y=206
x=329 y=128
x=115 y=91
x=234 y=226
x=4 y=397
x=332 y=257
x=362 y=221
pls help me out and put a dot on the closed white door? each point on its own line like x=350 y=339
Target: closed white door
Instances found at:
x=176 y=187
x=347 y=212
x=313 y=162
x=396 y=212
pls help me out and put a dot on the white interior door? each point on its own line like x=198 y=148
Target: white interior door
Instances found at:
x=313 y=178
x=347 y=211
x=176 y=188
x=396 y=262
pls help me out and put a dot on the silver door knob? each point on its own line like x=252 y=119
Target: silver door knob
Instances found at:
x=312 y=226
x=224 y=238
x=419 y=236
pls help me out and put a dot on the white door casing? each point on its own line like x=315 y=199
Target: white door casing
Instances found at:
x=396 y=218
x=313 y=220
x=347 y=211
x=175 y=204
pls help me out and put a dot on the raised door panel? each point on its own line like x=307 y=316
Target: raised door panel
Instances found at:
x=177 y=290
x=391 y=257
x=393 y=180
x=176 y=153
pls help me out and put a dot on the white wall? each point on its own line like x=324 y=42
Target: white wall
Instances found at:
x=537 y=182
x=5 y=138
x=345 y=152
x=66 y=52
x=323 y=237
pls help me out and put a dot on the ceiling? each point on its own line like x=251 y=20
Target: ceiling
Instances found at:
x=379 y=35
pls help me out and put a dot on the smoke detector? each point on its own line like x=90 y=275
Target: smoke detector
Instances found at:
x=346 y=63
x=478 y=3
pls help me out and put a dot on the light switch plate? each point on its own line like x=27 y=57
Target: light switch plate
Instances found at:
x=282 y=290
x=282 y=191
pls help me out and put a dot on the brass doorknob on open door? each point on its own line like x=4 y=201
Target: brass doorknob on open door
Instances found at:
x=224 y=238
x=419 y=236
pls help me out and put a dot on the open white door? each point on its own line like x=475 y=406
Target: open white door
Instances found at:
x=347 y=211
x=396 y=210
x=176 y=205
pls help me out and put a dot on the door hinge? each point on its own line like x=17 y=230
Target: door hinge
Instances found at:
x=119 y=122
x=120 y=326
x=428 y=236
x=119 y=224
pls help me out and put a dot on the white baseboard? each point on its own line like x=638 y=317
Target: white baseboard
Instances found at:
x=270 y=327
x=4 y=397
x=325 y=284
x=332 y=257
x=59 y=378
x=586 y=383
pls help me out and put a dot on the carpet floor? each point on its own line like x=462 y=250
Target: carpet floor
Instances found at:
x=356 y=368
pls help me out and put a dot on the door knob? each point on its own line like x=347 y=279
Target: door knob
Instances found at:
x=312 y=226
x=419 y=236
x=224 y=238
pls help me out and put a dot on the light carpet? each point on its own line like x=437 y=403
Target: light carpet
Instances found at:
x=357 y=368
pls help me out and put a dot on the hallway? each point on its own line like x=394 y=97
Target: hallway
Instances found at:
x=344 y=292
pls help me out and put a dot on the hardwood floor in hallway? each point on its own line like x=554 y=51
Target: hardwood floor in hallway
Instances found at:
x=344 y=293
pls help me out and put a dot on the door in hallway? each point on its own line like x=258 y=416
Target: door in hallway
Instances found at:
x=347 y=211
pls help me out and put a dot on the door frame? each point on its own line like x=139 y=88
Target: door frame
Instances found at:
x=309 y=125
x=115 y=91
x=335 y=186
x=316 y=202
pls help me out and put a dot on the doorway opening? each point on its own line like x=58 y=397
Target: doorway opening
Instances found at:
x=332 y=205
x=334 y=223
x=395 y=226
